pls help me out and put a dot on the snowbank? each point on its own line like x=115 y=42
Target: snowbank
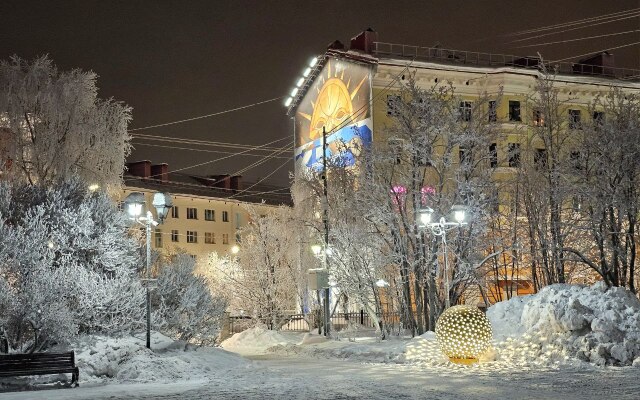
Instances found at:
x=596 y=324
x=256 y=341
x=126 y=359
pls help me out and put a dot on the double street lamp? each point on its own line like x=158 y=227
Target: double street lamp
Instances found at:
x=134 y=204
x=440 y=228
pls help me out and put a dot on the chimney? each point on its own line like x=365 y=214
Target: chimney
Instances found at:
x=236 y=182
x=364 y=41
x=141 y=169
x=221 y=181
x=160 y=172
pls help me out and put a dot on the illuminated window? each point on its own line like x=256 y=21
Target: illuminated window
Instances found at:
x=192 y=213
x=538 y=118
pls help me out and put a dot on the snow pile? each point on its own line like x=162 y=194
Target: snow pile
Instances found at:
x=126 y=359
x=596 y=324
x=255 y=340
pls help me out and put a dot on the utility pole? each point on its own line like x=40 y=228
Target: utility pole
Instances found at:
x=325 y=218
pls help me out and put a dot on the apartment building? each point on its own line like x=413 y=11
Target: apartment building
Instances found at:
x=208 y=211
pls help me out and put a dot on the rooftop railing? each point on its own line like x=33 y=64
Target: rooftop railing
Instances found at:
x=473 y=58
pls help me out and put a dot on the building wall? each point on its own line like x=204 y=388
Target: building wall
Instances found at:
x=238 y=217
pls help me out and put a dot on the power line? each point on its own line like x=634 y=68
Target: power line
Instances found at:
x=207 y=115
x=573 y=29
x=578 y=39
x=265 y=159
x=576 y=22
x=266 y=177
x=197 y=142
x=202 y=150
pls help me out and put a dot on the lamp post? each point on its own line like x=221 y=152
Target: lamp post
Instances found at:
x=439 y=228
x=134 y=204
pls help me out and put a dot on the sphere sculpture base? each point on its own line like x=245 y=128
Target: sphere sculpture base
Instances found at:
x=464 y=334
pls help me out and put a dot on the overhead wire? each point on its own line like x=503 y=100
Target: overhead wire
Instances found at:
x=202 y=150
x=599 y=51
x=578 y=39
x=208 y=115
x=200 y=142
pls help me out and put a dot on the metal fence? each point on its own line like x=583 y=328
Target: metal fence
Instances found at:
x=495 y=60
x=307 y=322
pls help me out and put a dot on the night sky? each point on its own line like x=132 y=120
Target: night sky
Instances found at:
x=172 y=60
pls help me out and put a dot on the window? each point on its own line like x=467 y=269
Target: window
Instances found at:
x=225 y=238
x=540 y=158
x=209 y=238
x=514 y=111
x=493 y=111
x=192 y=213
x=209 y=215
x=538 y=118
x=464 y=111
x=225 y=216
x=396 y=145
x=238 y=221
x=174 y=235
x=576 y=160
x=465 y=156
x=493 y=155
x=192 y=237
x=158 y=237
x=574 y=119
x=393 y=102
x=598 y=117
x=174 y=212
x=514 y=155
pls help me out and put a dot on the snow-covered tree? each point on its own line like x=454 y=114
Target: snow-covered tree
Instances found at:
x=54 y=126
x=189 y=311
x=67 y=265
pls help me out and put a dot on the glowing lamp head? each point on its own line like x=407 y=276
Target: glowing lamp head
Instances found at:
x=133 y=204
x=317 y=249
x=235 y=249
x=94 y=187
x=459 y=213
x=463 y=333
x=424 y=216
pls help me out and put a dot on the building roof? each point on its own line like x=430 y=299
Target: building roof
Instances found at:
x=194 y=185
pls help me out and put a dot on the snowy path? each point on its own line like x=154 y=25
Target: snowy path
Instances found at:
x=297 y=378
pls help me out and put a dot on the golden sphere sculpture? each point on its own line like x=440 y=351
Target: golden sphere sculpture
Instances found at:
x=463 y=333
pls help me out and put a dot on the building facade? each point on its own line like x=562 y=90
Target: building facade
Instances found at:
x=208 y=211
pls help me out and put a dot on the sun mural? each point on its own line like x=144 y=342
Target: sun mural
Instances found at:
x=339 y=102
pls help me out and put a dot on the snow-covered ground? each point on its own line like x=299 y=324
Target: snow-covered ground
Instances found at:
x=556 y=344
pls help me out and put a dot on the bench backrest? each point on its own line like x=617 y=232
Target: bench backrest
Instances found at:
x=36 y=360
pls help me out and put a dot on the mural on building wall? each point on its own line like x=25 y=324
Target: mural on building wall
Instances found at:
x=339 y=101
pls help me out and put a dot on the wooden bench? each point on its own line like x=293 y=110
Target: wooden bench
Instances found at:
x=12 y=365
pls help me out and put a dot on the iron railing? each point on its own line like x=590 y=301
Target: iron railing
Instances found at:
x=496 y=60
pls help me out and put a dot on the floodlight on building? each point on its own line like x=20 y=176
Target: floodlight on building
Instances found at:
x=294 y=92
x=306 y=72
x=287 y=103
x=300 y=82
x=313 y=62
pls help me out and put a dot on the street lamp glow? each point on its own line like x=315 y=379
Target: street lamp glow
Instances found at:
x=382 y=283
x=235 y=249
x=50 y=245
x=94 y=187
x=459 y=213
x=317 y=249
x=424 y=215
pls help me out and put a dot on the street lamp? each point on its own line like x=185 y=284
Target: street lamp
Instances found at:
x=322 y=277
x=134 y=204
x=439 y=228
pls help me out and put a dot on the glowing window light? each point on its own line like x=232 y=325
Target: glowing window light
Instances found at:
x=464 y=334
